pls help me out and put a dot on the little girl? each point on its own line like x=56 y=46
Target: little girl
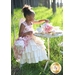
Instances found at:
x=34 y=49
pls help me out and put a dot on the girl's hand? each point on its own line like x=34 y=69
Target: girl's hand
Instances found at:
x=47 y=21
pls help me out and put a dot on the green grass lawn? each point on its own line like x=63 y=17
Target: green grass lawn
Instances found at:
x=55 y=55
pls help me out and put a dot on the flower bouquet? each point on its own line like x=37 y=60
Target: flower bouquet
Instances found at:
x=47 y=28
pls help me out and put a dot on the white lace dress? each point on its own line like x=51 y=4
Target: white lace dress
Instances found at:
x=34 y=50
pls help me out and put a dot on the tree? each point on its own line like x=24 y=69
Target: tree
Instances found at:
x=57 y=3
x=31 y=2
x=12 y=7
x=61 y=3
x=45 y=3
x=51 y=2
x=24 y=2
x=54 y=6
x=48 y=3
x=21 y=3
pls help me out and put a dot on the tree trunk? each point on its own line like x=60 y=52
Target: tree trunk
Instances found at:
x=49 y=4
x=21 y=3
x=12 y=7
x=54 y=6
x=31 y=2
x=57 y=3
x=61 y=4
x=45 y=3
x=28 y=2
x=24 y=2
x=35 y=3
x=17 y=3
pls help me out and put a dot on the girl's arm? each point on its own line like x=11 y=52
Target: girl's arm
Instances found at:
x=21 y=34
x=40 y=21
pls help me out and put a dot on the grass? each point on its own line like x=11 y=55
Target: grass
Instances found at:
x=55 y=55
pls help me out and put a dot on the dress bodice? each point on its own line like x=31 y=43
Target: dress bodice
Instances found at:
x=28 y=27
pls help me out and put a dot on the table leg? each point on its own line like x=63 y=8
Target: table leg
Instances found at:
x=48 y=54
x=49 y=48
x=46 y=65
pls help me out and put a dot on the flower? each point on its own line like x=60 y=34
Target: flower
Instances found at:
x=48 y=27
x=45 y=28
x=19 y=46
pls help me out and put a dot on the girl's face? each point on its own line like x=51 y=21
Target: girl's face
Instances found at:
x=31 y=17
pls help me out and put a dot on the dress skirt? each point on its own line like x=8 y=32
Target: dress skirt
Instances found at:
x=33 y=52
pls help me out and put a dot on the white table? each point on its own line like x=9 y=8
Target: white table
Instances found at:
x=48 y=36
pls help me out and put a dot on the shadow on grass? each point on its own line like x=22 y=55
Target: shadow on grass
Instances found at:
x=51 y=17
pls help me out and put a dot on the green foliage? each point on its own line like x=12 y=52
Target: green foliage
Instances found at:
x=55 y=55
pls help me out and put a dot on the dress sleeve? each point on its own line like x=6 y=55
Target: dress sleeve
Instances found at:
x=21 y=21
